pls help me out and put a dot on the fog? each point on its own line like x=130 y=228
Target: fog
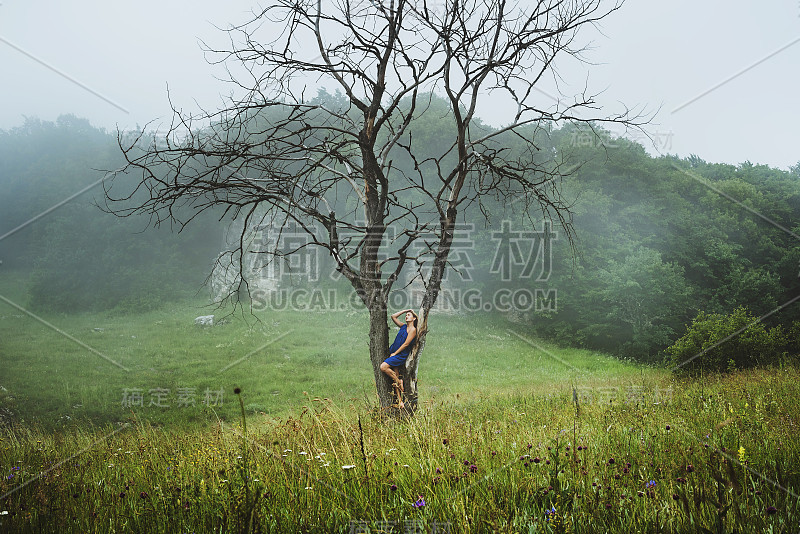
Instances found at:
x=721 y=75
x=194 y=329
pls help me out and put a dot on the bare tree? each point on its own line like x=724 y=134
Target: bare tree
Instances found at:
x=332 y=167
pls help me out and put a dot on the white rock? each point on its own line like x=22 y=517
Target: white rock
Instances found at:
x=204 y=320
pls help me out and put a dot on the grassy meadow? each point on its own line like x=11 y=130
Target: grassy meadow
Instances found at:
x=132 y=424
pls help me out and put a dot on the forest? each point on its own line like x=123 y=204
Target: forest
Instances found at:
x=663 y=245
x=558 y=392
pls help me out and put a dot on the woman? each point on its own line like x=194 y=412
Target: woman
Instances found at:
x=400 y=350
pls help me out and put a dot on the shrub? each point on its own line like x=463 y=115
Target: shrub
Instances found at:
x=717 y=342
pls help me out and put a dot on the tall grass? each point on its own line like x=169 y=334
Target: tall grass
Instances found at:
x=719 y=456
x=514 y=434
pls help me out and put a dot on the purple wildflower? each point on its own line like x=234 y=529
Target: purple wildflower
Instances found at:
x=548 y=513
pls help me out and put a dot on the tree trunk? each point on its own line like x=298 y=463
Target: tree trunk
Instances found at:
x=410 y=373
x=379 y=351
x=428 y=301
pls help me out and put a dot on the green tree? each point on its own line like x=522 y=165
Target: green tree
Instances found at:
x=720 y=342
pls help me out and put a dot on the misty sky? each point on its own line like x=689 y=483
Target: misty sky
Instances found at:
x=111 y=62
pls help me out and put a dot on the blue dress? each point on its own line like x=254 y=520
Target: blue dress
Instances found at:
x=400 y=358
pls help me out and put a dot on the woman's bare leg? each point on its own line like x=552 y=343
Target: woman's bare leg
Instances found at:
x=396 y=382
x=398 y=386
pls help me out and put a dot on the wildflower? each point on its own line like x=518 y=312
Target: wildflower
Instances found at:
x=438 y=471
x=548 y=513
x=537 y=460
x=393 y=487
x=771 y=510
x=651 y=484
x=143 y=495
x=668 y=427
x=742 y=455
x=473 y=468
x=348 y=467
x=610 y=461
x=419 y=502
x=689 y=468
